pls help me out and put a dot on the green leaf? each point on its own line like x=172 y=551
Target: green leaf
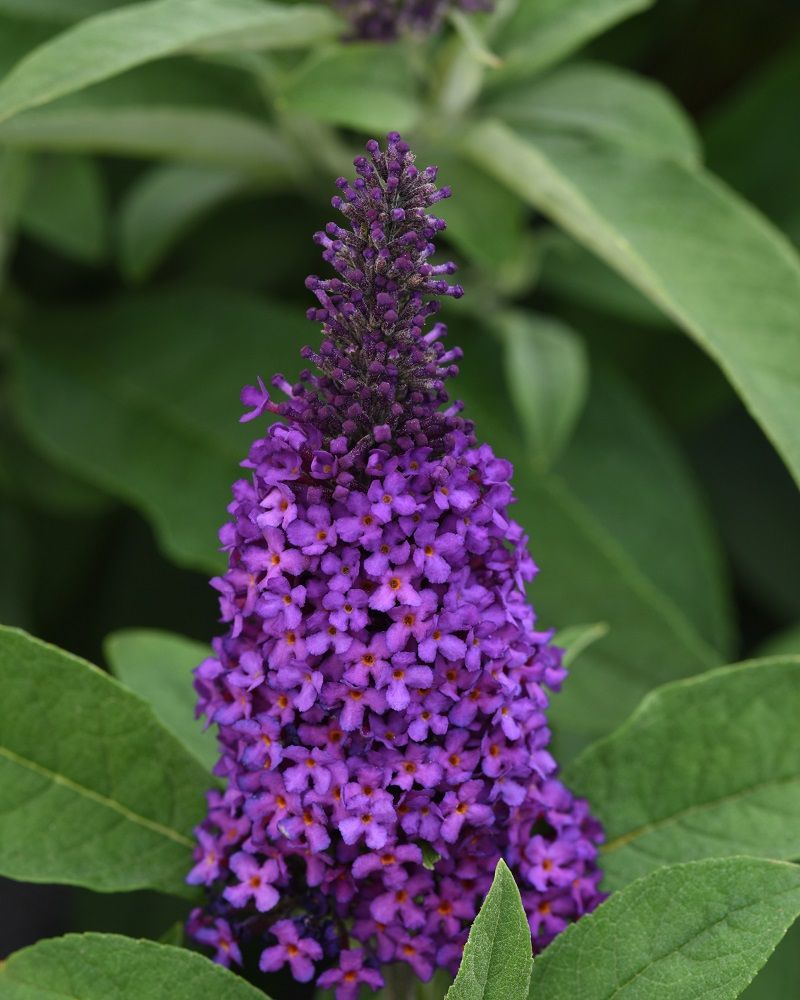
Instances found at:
x=704 y=767
x=542 y=33
x=574 y=639
x=704 y=257
x=158 y=667
x=65 y=207
x=497 y=957
x=645 y=569
x=362 y=86
x=113 y=42
x=593 y=99
x=190 y=134
x=14 y=175
x=152 y=414
x=110 y=967
x=548 y=374
x=575 y=275
x=162 y=206
x=697 y=930
x=93 y=791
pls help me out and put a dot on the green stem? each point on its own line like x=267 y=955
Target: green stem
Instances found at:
x=401 y=983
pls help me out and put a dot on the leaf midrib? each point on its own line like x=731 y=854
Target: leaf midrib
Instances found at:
x=673 y=819
x=62 y=780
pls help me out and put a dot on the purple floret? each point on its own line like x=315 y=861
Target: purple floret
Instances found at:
x=384 y=20
x=380 y=693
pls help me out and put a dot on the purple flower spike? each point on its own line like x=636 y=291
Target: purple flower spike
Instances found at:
x=383 y=20
x=381 y=691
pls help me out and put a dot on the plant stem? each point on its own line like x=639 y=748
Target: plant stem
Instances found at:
x=401 y=983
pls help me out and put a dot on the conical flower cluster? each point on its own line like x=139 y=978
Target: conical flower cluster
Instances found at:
x=381 y=689
x=384 y=20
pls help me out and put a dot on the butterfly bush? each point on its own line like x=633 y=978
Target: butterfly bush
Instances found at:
x=381 y=689
x=383 y=20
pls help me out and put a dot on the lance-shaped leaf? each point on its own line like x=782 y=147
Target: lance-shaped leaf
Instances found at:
x=112 y=42
x=93 y=790
x=158 y=667
x=155 y=433
x=705 y=767
x=111 y=967
x=497 y=957
x=702 y=929
x=707 y=259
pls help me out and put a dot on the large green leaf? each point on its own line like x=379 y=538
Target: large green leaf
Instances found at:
x=548 y=375
x=708 y=260
x=110 y=967
x=65 y=207
x=704 y=767
x=594 y=99
x=369 y=87
x=702 y=929
x=163 y=205
x=158 y=667
x=93 y=790
x=151 y=414
x=113 y=42
x=612 y=544
x=542 y=33
x=779 y=978
x=497 y=957
x=171 y=132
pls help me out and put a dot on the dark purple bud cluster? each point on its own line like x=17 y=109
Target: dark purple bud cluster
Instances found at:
x=381 y=690
x=384 y=20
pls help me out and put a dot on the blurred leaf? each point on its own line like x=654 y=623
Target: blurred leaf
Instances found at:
x=713 y=265
x=497 y=958
x=65 y=207
x=110 y=967
x=162 y=206
x=594 y=99
x=548 y=374
x=362 y=86
x=14 y=175
x=545 y=32
x=18 y=36
x=756 y=507
x=782 y=644
x=704 y=767
x=151 y=414
x=113 y=42
x=492 y=236
x=574 y=639
x=612 y=544
x=697 y=930
x=206 y=135
x=779 y=978
x=158 y=667
x=95 y=792
x=575 y=275
x=751 y=139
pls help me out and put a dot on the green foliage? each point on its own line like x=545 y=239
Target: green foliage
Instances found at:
x=82 y=802
x=158 y=667
x=706 y=767
x=155 y=437
x=702 y=929
x=662 y=224
x=497 y=958
x=118 y=40
x=110 y=967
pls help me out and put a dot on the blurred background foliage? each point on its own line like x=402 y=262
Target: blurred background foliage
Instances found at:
x=155 y=232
